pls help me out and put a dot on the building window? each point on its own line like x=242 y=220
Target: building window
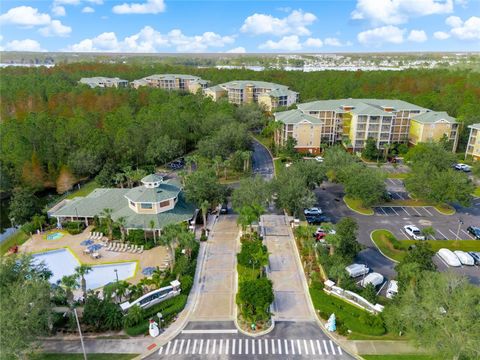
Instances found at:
x=146 y=206
x=165 y=203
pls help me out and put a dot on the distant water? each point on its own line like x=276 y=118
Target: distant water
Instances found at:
x=3 y=65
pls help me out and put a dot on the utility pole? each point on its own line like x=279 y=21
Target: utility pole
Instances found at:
x=80 y=332
x=460 y=223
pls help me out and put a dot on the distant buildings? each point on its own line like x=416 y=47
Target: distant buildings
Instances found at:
x=172 y=82
x=473 y=145
x=353 y=121
x=240 y=92
x=104 y=82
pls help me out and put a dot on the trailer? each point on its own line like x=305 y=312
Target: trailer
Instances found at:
x=374 y=278
x=355 y=270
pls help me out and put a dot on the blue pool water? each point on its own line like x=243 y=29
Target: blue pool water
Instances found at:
x=54 y=236
x=62 y=262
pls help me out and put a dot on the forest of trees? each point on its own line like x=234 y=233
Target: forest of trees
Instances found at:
x=54 y=130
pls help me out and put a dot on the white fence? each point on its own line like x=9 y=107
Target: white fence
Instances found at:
x=351 y=297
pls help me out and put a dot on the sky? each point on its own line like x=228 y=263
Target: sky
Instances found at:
x=244 y=26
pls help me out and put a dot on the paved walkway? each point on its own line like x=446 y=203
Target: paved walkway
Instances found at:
x=216 y=301
x=290 y=302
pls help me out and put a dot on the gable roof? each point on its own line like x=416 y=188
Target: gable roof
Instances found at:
x=336 y=105
x=431 y=117
x=296 y=116
x=153 y=195
x=474 y=126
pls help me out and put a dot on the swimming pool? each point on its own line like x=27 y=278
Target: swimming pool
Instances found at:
x=62 y=262
x=54 y=236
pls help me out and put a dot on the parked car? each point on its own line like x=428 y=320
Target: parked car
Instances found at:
x=392 y=289
x=374 y=278
x=312 y=211
x=224 y=208
x=330 y=232
x=319 y=159
x=356 y=270
x=414 y=232
x=464 y=258
x=463 y=167
x=317 y=219
x=475 y=256
x=449 y=257
x=475 y=231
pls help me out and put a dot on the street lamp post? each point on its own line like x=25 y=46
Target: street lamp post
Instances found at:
x=80 y=332
x=116 y=274
x=160 y=319
x=460 y=223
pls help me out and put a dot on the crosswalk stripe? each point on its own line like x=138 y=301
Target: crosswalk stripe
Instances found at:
x=339 y=350
x=266 y=346
x=293 y=347
x=273 y=347
x=221 y=346
x=253 y=346
x=227 y=345
x=214 y=345
x=312 y=347
x=319 y=347
x=279 y=347
x=325 y=347
x=168 y=348
x=200 y=346
x=233 y=346
x=259 y=347
x=174 y=346
x=298 y=348
x=286 y=346
x=246 y=346
x=187 y=346
x=194 y=346
x=207 y=347
x=331 y=346
x=239 y=346
x=181 y=346
x=306 y=347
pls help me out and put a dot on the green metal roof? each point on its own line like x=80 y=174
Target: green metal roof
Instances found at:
x=172 y=77
x=431 y=117
x=336 y=105
x=474 y=126
x=295 y=116
x=152 y=178
x=153 y=195
x=367 y=109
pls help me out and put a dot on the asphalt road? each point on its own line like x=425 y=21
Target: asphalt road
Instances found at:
x=262 y=162
x=329 y=197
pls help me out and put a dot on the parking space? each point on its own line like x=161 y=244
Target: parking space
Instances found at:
x=406 y=211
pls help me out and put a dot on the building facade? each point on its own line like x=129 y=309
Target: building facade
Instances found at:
x=473 y=145
x=104 y=82
x=172 y=82
x=240 y=92
x=354 y=121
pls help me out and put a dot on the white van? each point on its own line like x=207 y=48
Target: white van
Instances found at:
x=374 y=278
x=355 y=270
x=465 y=258
x=449 y=257
x=392 y=289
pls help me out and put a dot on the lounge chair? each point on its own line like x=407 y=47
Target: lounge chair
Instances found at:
x=141 y=249
x=134 y=249
x=90 y=234
x=123 y=247
x=100 y=235
x=114 y=247
x=94 y=236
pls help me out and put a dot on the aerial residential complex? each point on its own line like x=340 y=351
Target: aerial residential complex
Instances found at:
x=172 y=82
x=157 y=200
x=241 y=92
x=353 y=121
x=104 y=82
x=473 y=145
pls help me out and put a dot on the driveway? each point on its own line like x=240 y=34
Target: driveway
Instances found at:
x=262 y=162
x=217 y=292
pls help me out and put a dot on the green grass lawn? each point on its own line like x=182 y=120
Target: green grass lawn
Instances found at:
x=16 y=239
x=477 y=191
x=356 y=205
x=278 y=165
x=86 y=189
x=43 y=356
x=399 y=357
x=396 y=249
x=397 y=175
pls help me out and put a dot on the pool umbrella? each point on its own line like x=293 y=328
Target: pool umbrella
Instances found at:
x=148 y=270
x=86 y=242
x=94 y=247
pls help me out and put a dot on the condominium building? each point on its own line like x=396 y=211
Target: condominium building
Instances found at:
x=103 y=82
x=240 y=92
x=172 y=82
x=353 y=121
x=433 y=126
x=473 y=145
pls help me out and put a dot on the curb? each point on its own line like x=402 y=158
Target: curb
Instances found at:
x=356 y=211
x=380 y=251
x=264 y=332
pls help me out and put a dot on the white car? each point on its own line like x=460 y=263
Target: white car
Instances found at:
x=319 y=159
x=313 y=211
x=463 y=167
x=392 y=289
x=414 y=232
x=322 y=230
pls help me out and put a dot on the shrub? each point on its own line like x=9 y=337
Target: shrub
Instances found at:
x=186 y=282
x=134 y=316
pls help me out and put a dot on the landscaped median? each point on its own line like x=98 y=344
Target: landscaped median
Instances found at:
x=357 y=206
x=396 y=249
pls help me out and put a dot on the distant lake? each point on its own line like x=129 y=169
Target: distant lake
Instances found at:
x=3 y=65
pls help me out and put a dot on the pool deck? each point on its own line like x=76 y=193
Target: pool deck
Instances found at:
x=38 y=243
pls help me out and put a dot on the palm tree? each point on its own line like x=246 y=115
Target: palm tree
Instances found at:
x=152 y=227
x=70 y=283
x=246 y=155
x=170 y=238
x=129 y=175
x=38 y=221
x=121 y=222
x=80 y=272
x=189 y=161
x=186 y=240
x=204 y=207
x=137 y=175
x=119 y=179
x=248 y=214
x=217 y=161
x=107 y=217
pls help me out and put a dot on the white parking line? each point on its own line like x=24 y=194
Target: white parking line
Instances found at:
x=444 y=263
x=405 y=211
x=319 y=347
x=394 y=211
x=384 y=211
x=406 y=236
x=392 y=182
x=454 y=234
x=400 y=196
x=466 y=233
x=444 y=237
x=416 y=211
x=429 y=213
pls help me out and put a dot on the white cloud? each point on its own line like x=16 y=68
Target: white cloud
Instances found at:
x=148 y=7
x=25 y=16
x=335 y=42
x=313 y=42
x=417 y=36
x=296 y=22
x=396 y=12
x=58 y=10
x=466 y=30
x=441 y=35
x=237 y=50
x=289 y=43
x=88 y=10
x=150 y=40
x=55 y=28
x=380 y=35
x=454 y=21
x=23 y=45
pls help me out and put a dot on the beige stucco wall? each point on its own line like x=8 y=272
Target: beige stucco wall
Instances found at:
x=434 y=132
x=307 y=134
x=266 y=101
x=474 y=141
